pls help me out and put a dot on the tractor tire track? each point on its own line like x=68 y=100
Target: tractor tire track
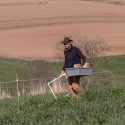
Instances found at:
x=12 y=24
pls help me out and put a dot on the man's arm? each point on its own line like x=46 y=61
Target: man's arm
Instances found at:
x=83 y=58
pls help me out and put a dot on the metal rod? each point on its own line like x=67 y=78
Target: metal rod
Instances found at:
x=52 y=82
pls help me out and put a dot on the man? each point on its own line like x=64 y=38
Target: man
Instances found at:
x=73 y=59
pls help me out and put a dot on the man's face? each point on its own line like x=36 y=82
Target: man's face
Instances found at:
x=67 y=45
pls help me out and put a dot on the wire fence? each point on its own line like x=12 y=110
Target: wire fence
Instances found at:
x=19 y=88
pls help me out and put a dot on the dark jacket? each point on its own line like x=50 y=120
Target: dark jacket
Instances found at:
x=73 y=56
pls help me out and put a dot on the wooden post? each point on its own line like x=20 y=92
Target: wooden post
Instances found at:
x=18 y=94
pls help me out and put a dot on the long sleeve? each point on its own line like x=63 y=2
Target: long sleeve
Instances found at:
x=83 y=58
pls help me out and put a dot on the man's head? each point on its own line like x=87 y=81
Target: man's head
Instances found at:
x=67 y=42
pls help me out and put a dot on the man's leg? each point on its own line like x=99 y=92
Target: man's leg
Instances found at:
x=72 y=92
x=75 y=85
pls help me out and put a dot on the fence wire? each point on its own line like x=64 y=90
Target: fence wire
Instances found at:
x=17 y=88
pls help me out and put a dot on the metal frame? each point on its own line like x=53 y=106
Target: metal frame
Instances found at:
x=52 y=82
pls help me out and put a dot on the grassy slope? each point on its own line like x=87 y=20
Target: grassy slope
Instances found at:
x=26 y=69
x=100 y=106
x=9 y=67
x=96 y=107
x=115 y=65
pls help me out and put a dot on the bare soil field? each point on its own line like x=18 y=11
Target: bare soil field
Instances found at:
x=29 y=29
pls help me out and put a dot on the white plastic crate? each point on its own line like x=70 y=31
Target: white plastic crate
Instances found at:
x=79 y=71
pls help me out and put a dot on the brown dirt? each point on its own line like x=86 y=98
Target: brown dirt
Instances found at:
x=29 y=29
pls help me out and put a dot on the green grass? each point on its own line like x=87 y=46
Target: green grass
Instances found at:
x=101 y=104
x=109 y=70
x=34 y=69
x=26 y=69
x=9 y=68
x=96 y=107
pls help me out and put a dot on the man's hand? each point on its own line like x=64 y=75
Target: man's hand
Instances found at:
x=62 y=72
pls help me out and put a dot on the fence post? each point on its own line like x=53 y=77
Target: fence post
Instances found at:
x=17 y=87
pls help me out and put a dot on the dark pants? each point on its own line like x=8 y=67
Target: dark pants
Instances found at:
x=73 y=79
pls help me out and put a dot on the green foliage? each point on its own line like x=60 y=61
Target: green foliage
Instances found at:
x=102 y=104
x=36 y=69
x=95 y=107
x=26 y=69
